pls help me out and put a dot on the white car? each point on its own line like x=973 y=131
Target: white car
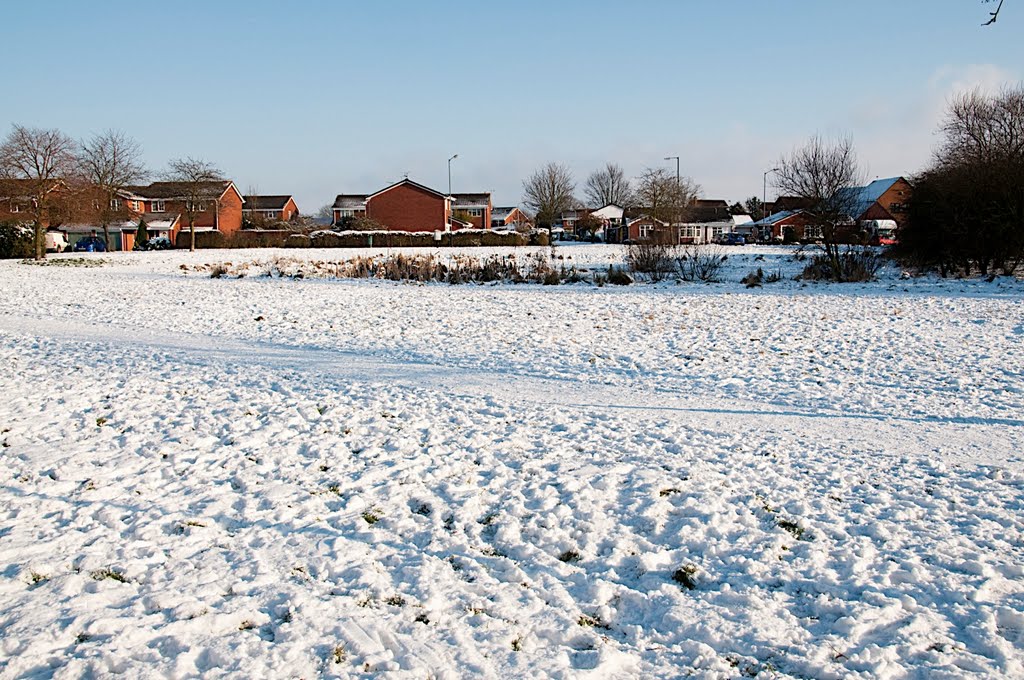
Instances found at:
x=56 y=242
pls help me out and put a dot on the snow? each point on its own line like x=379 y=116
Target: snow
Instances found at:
x=271 y=477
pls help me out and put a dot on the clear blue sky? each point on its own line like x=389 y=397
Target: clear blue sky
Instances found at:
x=320 y=98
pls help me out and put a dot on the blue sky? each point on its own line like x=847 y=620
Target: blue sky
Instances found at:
x=320 y=98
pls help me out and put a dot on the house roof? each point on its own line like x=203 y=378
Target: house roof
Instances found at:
x=775 y=218
x=180 y=190
x=266 y=202
x=864 y=197
x=710 y=203
x=408 y=182
x=350 y=202
x=707 y=211
x=645 y=218
x=472 y=199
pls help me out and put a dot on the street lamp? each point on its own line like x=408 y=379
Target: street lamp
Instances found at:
x=450 y=174
x=678 y=185
x=764 y=193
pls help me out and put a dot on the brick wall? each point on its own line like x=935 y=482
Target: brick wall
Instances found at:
x=407 y=208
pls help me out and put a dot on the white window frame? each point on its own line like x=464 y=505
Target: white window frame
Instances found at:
x=158 y=206
x=115 y=204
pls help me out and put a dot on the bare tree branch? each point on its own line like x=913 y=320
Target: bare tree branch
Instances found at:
x=195 y=177
x=549 y=192
x=608 y=186
x=110 y=161
x=38 y=161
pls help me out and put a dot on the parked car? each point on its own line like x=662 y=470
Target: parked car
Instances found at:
x=733 y=240
x=56 y=242
x=90 y=244
x=155 y=243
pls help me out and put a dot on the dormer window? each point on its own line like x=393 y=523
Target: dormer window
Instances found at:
x=159 y=206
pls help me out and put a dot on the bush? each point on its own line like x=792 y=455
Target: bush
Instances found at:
x=701 y=263
x=654 y=258
x=15 y=241
x=298 y=241
x=851 y=266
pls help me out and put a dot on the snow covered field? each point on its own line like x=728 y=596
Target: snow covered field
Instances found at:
x=268 y=477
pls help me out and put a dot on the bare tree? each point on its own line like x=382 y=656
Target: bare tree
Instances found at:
x=110 y=161
x=195 y=177
x=549 y=192
x=967 y=211
x=38 y=161
x=607 y=186
x=325 y=212
x=665 y=197
x=993 y=16
x=824 y=175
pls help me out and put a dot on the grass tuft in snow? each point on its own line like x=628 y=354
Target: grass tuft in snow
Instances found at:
x=686 y=576
x=792 y=527
x=372 y=516
x=338 y=654
x=570 y=556
x=101 y=574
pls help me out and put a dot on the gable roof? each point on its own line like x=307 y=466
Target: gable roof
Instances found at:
x=410 y=183
x=862 y=198
x=180 y=190
x=266 y=202
x=350 y=202
x=775 y=218
x=472 y=199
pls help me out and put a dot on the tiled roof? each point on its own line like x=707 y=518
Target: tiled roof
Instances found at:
x=266 y=202
x=350 y=202
x=165 y=190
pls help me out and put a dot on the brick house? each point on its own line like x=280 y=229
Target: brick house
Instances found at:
x=646 y=228
x=347 y=207
x=473 y=208
x=787 y=225
x=410 y=206
x=883 y=199
x=219 y=210
x=505 y=217
x=269 y=208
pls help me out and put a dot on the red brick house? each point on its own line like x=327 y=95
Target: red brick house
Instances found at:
x=220 y=210
x=410 y=206
x=503 y=218
x=788 y=225
x=473 y=208
x=269 y=208
x=347 y=207
x=646 y=228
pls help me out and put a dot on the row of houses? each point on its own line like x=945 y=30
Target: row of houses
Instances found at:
x=163 y=206
x=410 y=206
x=407 y=205
x=881 y=202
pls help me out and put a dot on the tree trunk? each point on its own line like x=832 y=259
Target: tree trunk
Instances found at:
x=192 y=235
x=106 y=236
x=39 y=241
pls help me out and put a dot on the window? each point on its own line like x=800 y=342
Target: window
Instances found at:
x=270 y=214
x=115 y=204
x=812 y=231
x=134 y=205
x=15 y=208
x=195 y=207
x=646 y=230
x=159 y=206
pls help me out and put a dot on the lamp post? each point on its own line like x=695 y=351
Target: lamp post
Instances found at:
x=678 y=184
x=764 y=193
x=450 y=210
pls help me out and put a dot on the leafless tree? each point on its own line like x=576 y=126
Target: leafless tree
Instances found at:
x=195 y=177
x=607 y=186
x=823 y=174
x=110 y=161
x=38 y=161
x=967 y=211
x=326 y=212
x=993 y=16
x=549 y=192
x=664 y=197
